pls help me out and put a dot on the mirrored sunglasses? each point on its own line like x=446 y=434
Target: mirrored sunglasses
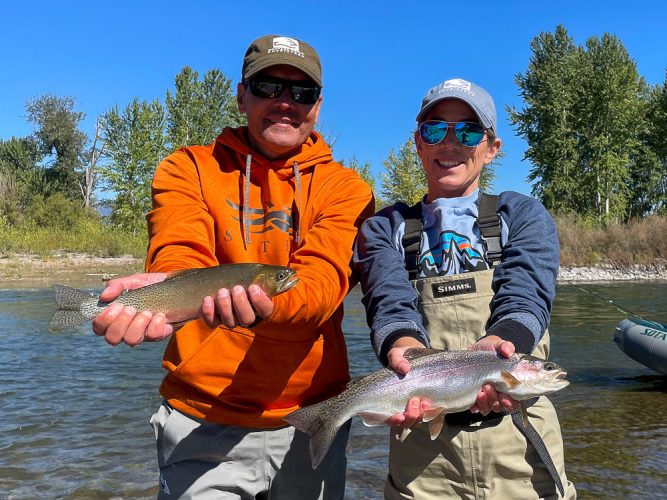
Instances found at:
x=469 y=134
x=270 y=87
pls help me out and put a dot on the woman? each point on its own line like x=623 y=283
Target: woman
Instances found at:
x=464 y=270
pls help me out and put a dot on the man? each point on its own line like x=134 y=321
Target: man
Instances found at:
x=464 y=270
x=269 y=193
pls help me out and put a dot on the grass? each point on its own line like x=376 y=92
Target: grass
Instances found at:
x=88 y=237
x=641 y=242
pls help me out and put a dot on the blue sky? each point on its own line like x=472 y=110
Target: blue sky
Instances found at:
x=379 y=58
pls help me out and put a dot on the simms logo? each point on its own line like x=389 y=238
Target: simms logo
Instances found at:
x=286 y=44
x=450 y=288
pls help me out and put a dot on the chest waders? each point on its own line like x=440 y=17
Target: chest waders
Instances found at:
x=475 y=456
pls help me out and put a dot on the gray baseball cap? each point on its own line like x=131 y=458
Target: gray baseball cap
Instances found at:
x=456 y=88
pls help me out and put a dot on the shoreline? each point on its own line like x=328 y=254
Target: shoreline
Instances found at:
x=19 y=270
x=608 y=272
x=26 y=268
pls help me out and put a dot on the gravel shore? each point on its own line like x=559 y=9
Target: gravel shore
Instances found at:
x=21 y=268
x=612 y=273
x=76 y=269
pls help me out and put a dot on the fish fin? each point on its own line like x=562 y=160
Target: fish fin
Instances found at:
x=524 y=414
x=372 y=419
x=435 y=425
x=419 y=352
x=66 y=320
x=321 y=422
x=70 y=299
x=510 y=379
x=432 y=413
x=181 y=272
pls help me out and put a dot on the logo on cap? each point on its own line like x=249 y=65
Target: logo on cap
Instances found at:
x=458 y=84
x=285 y=44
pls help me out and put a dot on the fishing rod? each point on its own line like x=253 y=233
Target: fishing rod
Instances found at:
x=609 y=301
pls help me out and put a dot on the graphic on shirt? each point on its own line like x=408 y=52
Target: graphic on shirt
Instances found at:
x=279 y=218
x=453 y=254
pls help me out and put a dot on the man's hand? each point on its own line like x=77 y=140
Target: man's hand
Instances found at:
x=240 y=308
x=488 y=399
x=118 y=323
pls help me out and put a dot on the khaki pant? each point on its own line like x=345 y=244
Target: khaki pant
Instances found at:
x=201 y=460
x=484 y=460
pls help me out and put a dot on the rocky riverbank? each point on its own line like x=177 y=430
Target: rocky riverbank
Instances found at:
x=30 y=270
x=607 y=272
x=78 y=267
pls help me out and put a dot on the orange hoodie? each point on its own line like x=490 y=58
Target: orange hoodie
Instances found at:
x=303 y=212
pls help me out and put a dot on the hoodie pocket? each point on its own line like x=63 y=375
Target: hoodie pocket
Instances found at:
x=253 y=373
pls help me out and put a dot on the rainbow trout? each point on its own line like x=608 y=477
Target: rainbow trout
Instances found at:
x=179 y=296
x=450 y=379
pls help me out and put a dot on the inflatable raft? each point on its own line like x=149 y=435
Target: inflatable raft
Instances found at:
x=644 y=341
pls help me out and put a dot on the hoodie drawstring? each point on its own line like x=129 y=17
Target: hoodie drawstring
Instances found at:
x=297 y=178
x=246 y=202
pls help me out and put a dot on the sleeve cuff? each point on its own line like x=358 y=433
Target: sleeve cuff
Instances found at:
x=392 y=337
x=515 y=332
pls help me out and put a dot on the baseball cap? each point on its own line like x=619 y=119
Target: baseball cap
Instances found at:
x=457 y=88
x=271 y=50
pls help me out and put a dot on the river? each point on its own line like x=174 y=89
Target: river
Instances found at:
x=74 y=411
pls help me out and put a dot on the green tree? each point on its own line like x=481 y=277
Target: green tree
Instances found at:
x=60 y=142
x=20 y=176
x=404 y=178
x=135 y=144
x=199 y=110
x=649 y=186
x=609 y=121
x=550 y=90
x=585 y=121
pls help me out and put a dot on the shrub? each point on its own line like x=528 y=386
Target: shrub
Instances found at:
x=56 y=212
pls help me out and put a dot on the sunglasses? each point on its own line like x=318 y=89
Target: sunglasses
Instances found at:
x=467 y=133
x=270 y=87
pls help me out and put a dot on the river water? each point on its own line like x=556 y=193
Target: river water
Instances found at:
x=74 y=411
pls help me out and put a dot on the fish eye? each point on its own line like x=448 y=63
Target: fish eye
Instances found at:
x=282 y=275
x=549 y=366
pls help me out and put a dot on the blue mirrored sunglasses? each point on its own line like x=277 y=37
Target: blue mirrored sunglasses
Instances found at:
x=467 y=133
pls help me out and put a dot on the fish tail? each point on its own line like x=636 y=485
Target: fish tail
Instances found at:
x=318 y=422
x=70 y=299
x=66 y=320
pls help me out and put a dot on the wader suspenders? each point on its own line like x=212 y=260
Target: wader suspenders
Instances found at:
x=412 y=239
x=489 y=226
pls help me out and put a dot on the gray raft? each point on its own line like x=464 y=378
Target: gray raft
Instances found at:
x=644 y=341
